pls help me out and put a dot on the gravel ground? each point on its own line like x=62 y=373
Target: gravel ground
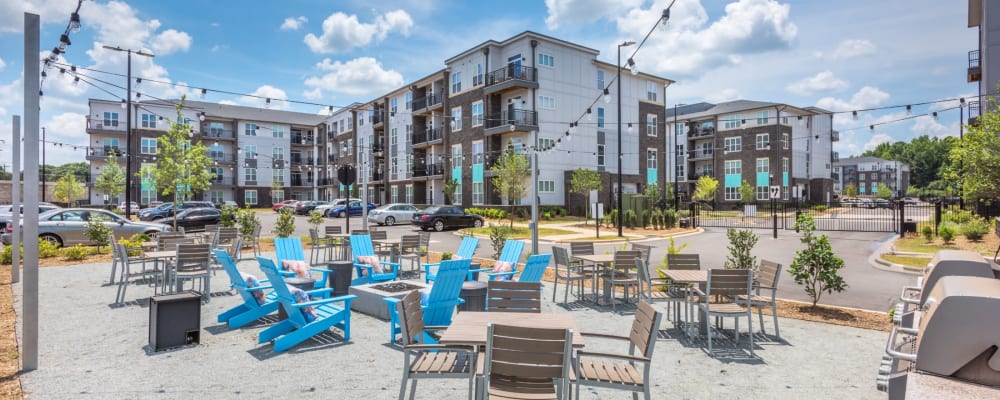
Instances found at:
x=91 y=349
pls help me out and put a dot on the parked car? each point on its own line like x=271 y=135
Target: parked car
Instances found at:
x=134 y=207
x=883 y=203
x=865 y=203
x=325 y=208
x=167 y=209
x=194 y=219
x=909 y=200
x=278 y=206
x=154 y=204
x=390 y=214
x=68 y=226
x=355 y=209
x=7 y=214
x=305 y=207
x=229 y=203
x=440 y=218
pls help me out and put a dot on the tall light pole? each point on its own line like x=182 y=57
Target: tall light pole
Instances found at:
x=128 y=123
x=677 y=202
x=619 y=80
x=44 y=189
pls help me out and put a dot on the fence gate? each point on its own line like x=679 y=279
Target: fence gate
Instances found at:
x=835 y=216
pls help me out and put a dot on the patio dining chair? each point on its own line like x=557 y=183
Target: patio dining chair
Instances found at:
x=646 y=250
x=654 y=289
x=728 y=284
x=580 y=249
x=317 y=247
x=121 y=257
x=422 y=357
x=192 y=263
x=526 y=363
x=622 y=274
x=409 y=249
x=561 y=258
x=253 y=241
x=619 y=370
x=767 y=280
x=510 y=296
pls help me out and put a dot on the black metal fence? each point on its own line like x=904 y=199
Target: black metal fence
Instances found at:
x=833 y=216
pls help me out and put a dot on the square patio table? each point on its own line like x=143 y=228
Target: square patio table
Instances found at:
x=469 y=327
x=695 y=277
x=598 y=263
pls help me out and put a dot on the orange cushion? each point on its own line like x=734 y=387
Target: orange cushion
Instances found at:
x=300 y=268
x=373 y=261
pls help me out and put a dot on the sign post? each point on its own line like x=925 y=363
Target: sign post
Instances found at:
x=597 y=210
x=775 y=191
x=346 y=174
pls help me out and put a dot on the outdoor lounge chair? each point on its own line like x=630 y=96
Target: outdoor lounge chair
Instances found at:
x=767 y=279
x=728 y=283
x=466 y=250
x=429 y=360
x=526 y=363
x=361 y=246
x=509 y=296
x=439 y=307
x=295 y=329
x=510 y=254
x=291 y=249
x=252 y=308
x=561 y=257
x=598 y=369
x=534 y=269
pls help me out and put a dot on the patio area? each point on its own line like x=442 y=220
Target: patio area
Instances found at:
x=91 y=348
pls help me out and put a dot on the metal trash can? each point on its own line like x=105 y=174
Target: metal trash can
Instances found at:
x=909 y=226
x=301 y=283
x=340 y=278
x=174 y=320
x=474 y=294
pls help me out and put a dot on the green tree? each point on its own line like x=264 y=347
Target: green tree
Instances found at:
x=582 y=182
x=450 y=185
x=817 y=266
x=746 y=192
x=285 y=225
x=927 y=156
x=182 y=165
x=509 y=173
x=111 y=181
x=741 y=242
x=850 y=190
x=68 y=189
x=975 y=163
x=883 y=191
x=704 y=189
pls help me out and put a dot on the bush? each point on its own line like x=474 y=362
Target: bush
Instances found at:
x=7 y=256
x=247 y=221
x=227 y=216
x=656 y=218
x=547 y=215
x=286 y=223
x=818 y=207
x=670 y=218
x=498 y=236
x=947 y=230
x=46 y=249
x=740 y=244
x=98 y=231
x=491 y=213
x=959 y=217
x=928 y=232
x=446 y=256
x=816 y=267
x=75 y=253
x=975 y=229
x=611 y=218
x=630 y=219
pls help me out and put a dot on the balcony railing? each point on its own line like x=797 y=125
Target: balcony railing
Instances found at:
x=700 y=154
x=511 y=72
x=836 y=156
x=377 y=117
x=221 y=156
x=975 y=72
x=376 y=176
x=106 y=124
x=301 y=182
x=302 y=160
x=218 y=133
x=221 y=180
x=427 y=101
x=428 y=170
x=493 y=158
x=429 y=135
x=515 y=117
x=303 y=140
x=696 y=175
x=107 y=151
x=378 y=148
x=974 y=112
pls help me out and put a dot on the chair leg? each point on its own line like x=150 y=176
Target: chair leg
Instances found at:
x=736 y=329
x=709 y=333
x=774 y=312
x=760 y=314
x=402 y=384
x=413 y=388
x=750 y=329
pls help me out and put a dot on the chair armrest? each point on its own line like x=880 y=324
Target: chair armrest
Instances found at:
x=439 y=347
x=582 y=353
x=435 y=328
x=495 y=275
x=324 y=292
x=286 y=273
x=320 y=302
x=697 y=291
x=258 y=288
x=604 y=335
x=323 y=271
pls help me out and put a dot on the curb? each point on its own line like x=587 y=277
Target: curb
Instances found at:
x=696 y=231
x=831 y=306
x=876 y=261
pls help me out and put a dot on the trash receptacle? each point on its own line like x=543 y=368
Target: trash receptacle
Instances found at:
x=340 y=278
x=685 y=223
x=909 y=226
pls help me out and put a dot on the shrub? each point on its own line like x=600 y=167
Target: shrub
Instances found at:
x=247 y=221
x=286 y=223
x=315 y=218
x=227 y=216
x=959 y=217
x=947 y=230
x=98 y=231
x=740 y=244
x=491 y=213
x=817 y=266
x=75 y=253
x=818 y=207
x=928 y=232
x=656 y=218
x=46 y=249
x=670 y=218
x=446 y=256
x=547 y=215
x=611 y=218
x=7 y=256
x=498 y=236
x=975 y=229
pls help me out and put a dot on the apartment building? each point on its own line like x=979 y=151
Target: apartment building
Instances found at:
x=984 y=60
x=762 y=143
x=866 y=173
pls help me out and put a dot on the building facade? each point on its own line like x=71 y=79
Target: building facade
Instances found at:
x=867 y=173
x=984 y=60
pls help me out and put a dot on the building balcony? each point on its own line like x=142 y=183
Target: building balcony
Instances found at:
x=974 y=112
x=511 y=77
x=221 y=157
x=428 y=137
x=975 y=72
x=221 y=181
x=375 y=177
x=377 y=119
x=112 y=126
x=301 y=182
x=421 y=172
x=700 y=155
x=493 y=158
x=378 y=149
x=425 y=105
x=696 y=175
x=223 y=134
x=302 y=160
x=701 y=132
x=302 y=140
x=105 y=152
x=512 y=121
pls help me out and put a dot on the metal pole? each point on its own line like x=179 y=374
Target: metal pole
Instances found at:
x=774 y=211
x=677 y=202
x=15 y=191
x=621 y=212
x=44 y=185
x=364 y=194
x=128 y=137
x=29 y=295
x=534 y=193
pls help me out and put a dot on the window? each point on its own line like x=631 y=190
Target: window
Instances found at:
x=784 y=165
x=458 y=192
x=393 y=102
x=733 y=167
x=651 y=158
x=762 y=117
x=147 y=196
x=600 y=79
x=477 y=79
x=679 y=171
x=250 y=174
x=547 y=102
x=732 y=193
x=216 y=173
x=784 y=141
x=277 y=196
x=477 y=193
x=763 y=193
x=763 y=165
x=110 y=119
x=731 y=121
x=544 y=143
x=600 y=117
x=393 y=137
x=861 y=187
x=679 y=128
x=477 y=152
x=456 y=156
x=456 y=118
x=278 y=178
x=456 y=82
x=250 y=151
x=409 y=194
x=477 y=113
x=250 y=197
x=763 y=141
x=278 y=131
x=217 y=197
x=148 y=146
x=734 y=143
x=679 y=151
x=409 y=100
x=148 y=121
x=250 y=129
x=651 y=124
x=650 y=91
x=278 y=153
x=546 y=186
x=600 y=155
x=394 y=194
x=546 y=60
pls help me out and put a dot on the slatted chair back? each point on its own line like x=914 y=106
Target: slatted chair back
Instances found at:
x=256 y=233
x=515 y=353
x=289 y=248
x=193 y=257
x=625 y=260
x=645 y=278
x=314 y=237
x=281 y=290
x=227 y=235
x=684 y=262
x=560 y=257
x=409 y=244
x=379 y=235
x=425 y=244
x=235 y=279
x=467 y=249
x=768 y=274
x=511 y=251
x=361 y=245
x=359 y=232
x=509 y=296
x=644 y=249
x=211 y=228
x=581 y=248
x=644 y=329
x=333 y=230
x=729 y=282
x=170 y=243
x=534 y=268
x=411 y=321
x=445 y=292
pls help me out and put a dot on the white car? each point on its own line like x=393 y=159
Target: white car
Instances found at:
x=391 y=214
x=134 y=206
x=325 y=209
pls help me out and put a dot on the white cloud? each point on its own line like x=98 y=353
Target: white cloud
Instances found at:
x=219 y=47
x=876 y=140
x=342 y=32
x=170 y=41
x=2 y=64
x=850 y=48
x=263 y=93
x=357 y=77
x=228 y=102
x=578 y=12
x=50 y=11
x=866 y=97
x=822 y=82
x=723 y=95
x=293 y=24
x=927 y=125
x=748 y=27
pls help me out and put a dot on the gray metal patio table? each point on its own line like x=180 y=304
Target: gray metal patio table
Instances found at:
x=694 y=277
x=598 y=263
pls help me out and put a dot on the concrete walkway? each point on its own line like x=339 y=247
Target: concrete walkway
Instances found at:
x=92 y=350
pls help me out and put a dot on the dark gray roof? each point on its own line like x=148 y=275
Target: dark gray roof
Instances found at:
x=726 y=108
x=859 y=160
x=250 y=113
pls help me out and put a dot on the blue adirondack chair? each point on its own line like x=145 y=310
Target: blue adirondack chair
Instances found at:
x=291 y=249
x=295 y=328
x=251 y=309
x=511 y=253
x=361 y=245
x=533 y=270
x=466 y=250
x=442 y=299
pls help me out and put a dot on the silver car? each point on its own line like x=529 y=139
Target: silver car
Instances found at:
x=7 y=213
x=68 y=226
x=390 y=214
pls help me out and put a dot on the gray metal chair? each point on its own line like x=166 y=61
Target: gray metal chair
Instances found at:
x=644 y=249
x=422 y=360
x=127 y=273
x=565 y=274
x=511 y=296
x=425 y=245
x=192 y=262
x=621 y=274
x=580 y=249
x=409 y=249
x=728 y=284
x=767 y=280
x=317 y=246
x=618 y=370
x=654 y=289
x=526 y=363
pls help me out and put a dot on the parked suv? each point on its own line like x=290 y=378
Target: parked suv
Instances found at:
x=167 y=210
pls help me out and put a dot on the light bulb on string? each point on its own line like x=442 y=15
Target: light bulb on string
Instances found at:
x=74 y=22
x=590 y=115
x=607 y=96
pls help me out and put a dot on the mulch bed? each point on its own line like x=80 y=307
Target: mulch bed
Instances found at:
x=10 y=382
x=635 y=231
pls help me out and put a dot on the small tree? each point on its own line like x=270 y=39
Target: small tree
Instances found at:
x=652 y=192
x=98 y=231
x=704 y=189
x=68 y=189
x=975 y=163
x=850 y=190
x=111 y=181
x=286 y=223
x=227 y=216
x=248 y=223
x=817 y=266
x=883 y=191
x=315 y=218
x=182 y=165
x=450 y=185
x=740 y=244
x=582 y=182
x=746 y=192
x=509 y=173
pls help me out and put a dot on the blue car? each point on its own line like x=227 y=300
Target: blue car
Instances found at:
x=355 y=209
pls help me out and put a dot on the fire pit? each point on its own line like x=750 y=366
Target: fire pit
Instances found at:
x=370 y=296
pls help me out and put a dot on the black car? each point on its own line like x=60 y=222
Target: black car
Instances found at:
x=195 y=219
x=167 y=210
x=305 y=207
x=441 y=217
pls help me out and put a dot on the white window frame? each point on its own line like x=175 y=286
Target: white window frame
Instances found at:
x=600 y=80
x=732 y=122
x=456 y=82
x=763 y=192
x=732 y=193
x=249 y=129
x=546 y=186
x=478 y=193
x=546 y=60
x=477 y=113
x=110 y=119
x=278 y=131
x=145 y=148
x=148 y=121
x=394 y=194
x=651 y=124
x=763 y=117
x=732 y=144
x=601 y=155
x=651 y=91
x=651 y=158
x=546 y=102
x=456 y=117
x=733 y=167
x=763 y=165
x=784 y=141
x=409 y=193
x=248 y=195
x=763 y=141
x=600 y=117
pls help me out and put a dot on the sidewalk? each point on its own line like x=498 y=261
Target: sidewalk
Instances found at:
x=589 y=233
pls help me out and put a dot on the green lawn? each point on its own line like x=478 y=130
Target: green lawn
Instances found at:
x=919 y=245
x=608 y=237
x=522 y=233
x=916 y=262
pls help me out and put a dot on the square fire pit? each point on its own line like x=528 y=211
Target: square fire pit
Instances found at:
x=370 y=296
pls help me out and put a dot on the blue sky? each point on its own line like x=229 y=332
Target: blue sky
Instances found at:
x=840 y=56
